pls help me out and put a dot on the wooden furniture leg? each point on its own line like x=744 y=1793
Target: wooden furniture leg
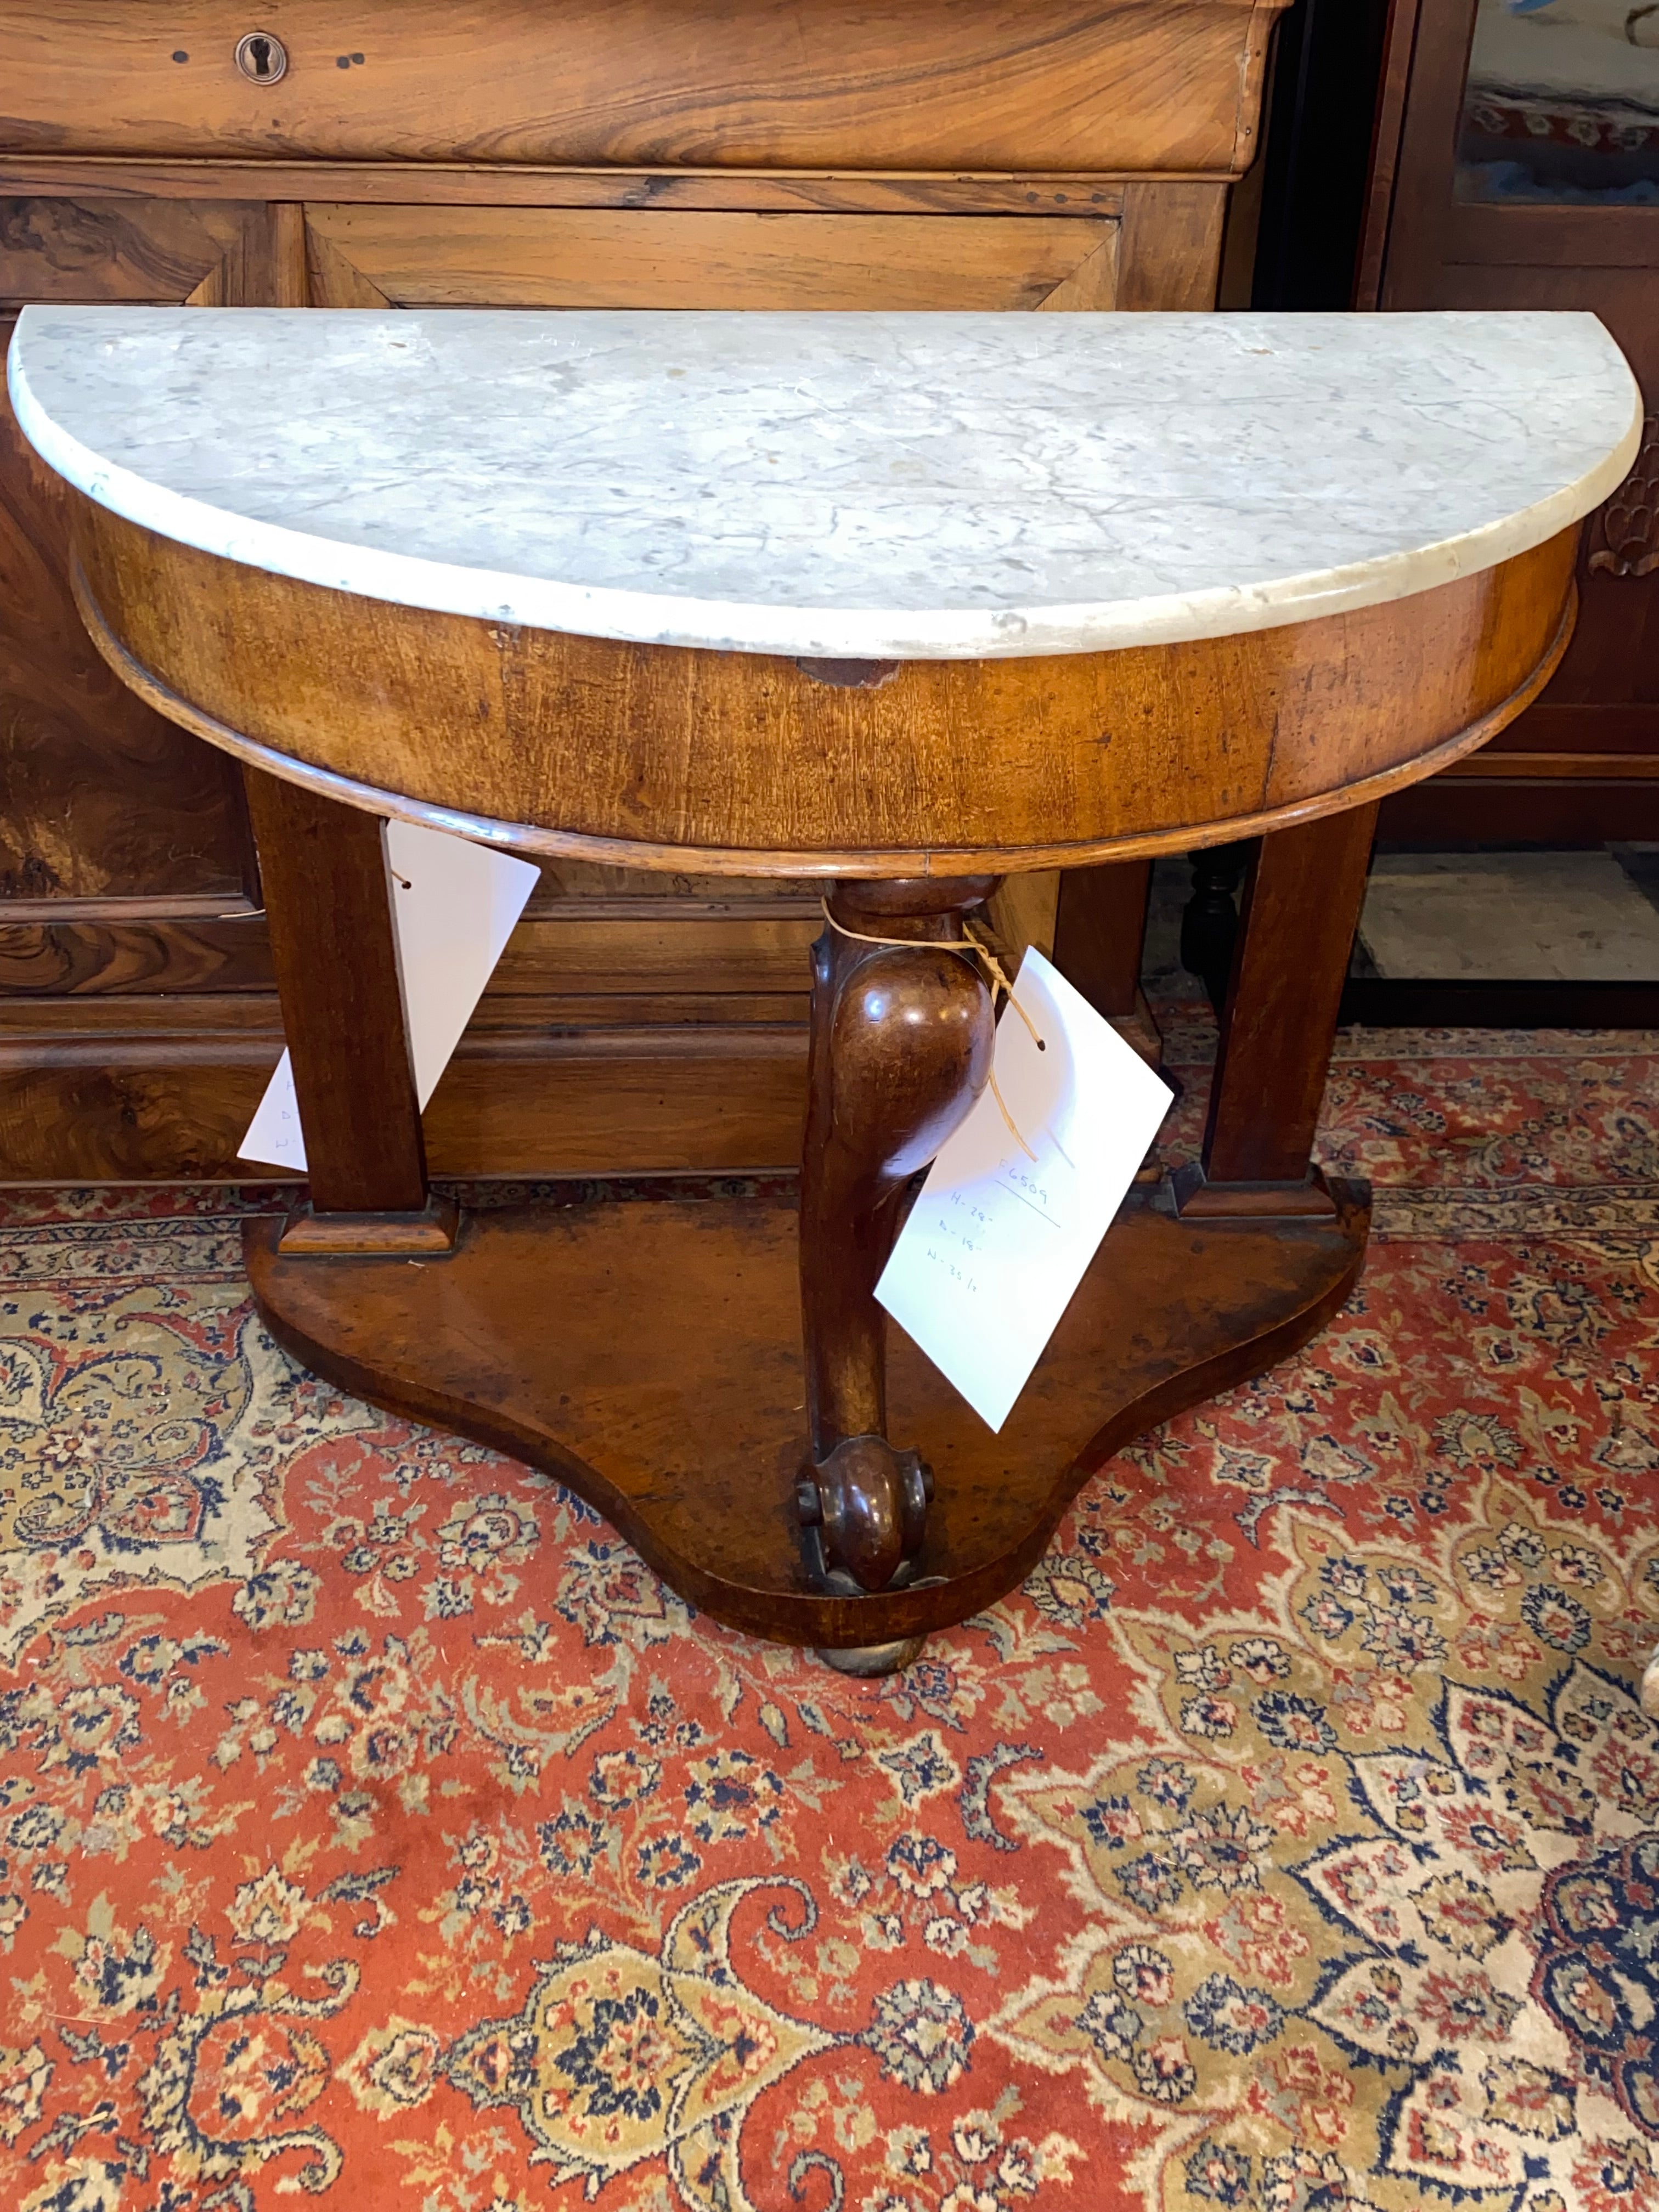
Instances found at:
x=327 y=895
x=1100 y=930
x=1100 y=937
x=1209 y=922
x=1303 y=892
x=902 y=1041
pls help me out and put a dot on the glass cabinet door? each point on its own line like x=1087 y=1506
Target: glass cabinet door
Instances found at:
x=1561 y=104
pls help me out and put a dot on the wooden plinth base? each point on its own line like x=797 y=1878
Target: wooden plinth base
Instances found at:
x=649 y=1355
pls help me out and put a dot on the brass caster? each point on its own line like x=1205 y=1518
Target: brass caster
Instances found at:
x=867 y=1660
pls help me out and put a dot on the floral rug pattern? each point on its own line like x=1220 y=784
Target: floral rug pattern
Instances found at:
x=375 y=1830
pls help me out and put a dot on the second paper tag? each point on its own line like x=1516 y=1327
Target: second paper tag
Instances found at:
x=1017 y=1202
x=453 y=906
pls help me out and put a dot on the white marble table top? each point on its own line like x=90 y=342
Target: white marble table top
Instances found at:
x=882 y=486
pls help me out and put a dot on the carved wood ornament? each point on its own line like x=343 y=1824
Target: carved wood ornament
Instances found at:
x=1630 y=521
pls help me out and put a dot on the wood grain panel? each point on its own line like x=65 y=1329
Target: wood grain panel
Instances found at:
x=679 y=1098
x=132 y=1090
x=1170 y=253
x=516 y=1021
x=678 y=949
x=662 y=756
x=507 y=184
x=70 y=947
x=54 y=250
x=575 y=257
x=1022 y=912
x=135 y=945
x=564 y=878
x=904 y=84
x=1467 y=628
x=162 y=1090
x=99 y=796
x=1100 y=928
x=264 y=265
x=1530 y=237
x=1092 y=284
x=333 y=278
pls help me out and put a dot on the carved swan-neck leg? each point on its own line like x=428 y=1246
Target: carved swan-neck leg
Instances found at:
x=902 y=1042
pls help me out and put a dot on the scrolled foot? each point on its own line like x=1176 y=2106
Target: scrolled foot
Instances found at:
x=863 y=1512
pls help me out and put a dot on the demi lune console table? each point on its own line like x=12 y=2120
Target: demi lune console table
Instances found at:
x=903 y=602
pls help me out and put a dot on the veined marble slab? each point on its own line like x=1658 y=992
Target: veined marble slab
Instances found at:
x=881 y=486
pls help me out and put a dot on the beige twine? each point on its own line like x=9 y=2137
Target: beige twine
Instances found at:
x=999 y=974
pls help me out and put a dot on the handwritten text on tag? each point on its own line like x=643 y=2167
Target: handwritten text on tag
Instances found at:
x=1015 y=1204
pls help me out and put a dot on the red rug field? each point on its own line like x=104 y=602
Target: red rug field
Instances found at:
x=374 y=1831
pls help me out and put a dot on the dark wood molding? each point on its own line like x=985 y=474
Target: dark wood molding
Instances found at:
x=1399 y=44
x=1568 y=812
x=1580 y=767
x=1530 y=237
x=1381 y=1002
x=478 y=184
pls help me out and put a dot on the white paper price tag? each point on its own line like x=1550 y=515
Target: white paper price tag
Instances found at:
x=1005 y=1227
x=451 y=913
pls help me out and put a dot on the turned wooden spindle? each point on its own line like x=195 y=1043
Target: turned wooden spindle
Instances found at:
x=901 y=1047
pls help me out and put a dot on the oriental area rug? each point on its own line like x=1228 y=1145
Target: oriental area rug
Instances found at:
x=375 y=1832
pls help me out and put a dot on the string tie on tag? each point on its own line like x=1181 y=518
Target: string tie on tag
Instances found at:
x=996 y=975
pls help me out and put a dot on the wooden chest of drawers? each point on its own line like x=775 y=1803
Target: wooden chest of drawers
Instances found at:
x=1046 y=155
x=935 y=85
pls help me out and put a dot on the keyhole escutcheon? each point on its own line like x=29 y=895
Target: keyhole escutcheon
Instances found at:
x=261 y=59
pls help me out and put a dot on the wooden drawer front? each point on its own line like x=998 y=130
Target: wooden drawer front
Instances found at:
x=425 y=256
x=910 y=84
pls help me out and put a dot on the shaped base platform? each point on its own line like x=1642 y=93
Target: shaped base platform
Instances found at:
x=649 y=1355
